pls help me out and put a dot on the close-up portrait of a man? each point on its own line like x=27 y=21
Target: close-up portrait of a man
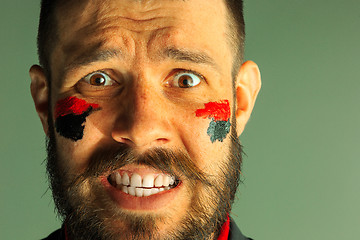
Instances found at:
x=143 y=103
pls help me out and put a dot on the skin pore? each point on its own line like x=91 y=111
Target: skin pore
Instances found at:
x=149 y=66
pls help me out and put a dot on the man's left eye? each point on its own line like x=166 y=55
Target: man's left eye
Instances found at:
x=98 y=79
x=186 y=79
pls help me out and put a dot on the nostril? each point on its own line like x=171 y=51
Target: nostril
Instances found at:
x=162 y=140
x=124 y=140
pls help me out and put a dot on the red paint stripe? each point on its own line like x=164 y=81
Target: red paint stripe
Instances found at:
x=66 y=234
x=219 y=111
x=224 y=234
x=72 y=105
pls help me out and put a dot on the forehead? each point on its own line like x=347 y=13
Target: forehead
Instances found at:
x=130 y=25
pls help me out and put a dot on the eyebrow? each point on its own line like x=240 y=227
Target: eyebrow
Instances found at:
x=92 y=56
x=184 y=55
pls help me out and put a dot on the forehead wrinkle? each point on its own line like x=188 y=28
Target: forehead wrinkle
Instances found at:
x=118 y=17
x=112 y=29
x=106 y=24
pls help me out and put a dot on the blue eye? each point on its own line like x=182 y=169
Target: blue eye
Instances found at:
x=186 y=79
x=99 y=79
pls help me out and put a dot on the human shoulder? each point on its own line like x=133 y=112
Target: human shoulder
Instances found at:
x=56 y=235
x=235 y=233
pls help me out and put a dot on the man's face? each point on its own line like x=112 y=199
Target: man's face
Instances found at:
x=142 y=118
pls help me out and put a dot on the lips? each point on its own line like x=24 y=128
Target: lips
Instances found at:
x=142 y=186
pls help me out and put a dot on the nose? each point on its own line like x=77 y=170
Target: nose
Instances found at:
x=144 y=122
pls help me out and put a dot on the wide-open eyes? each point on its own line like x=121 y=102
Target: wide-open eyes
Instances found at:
x=107 y=83
x=98 y=79
x=185 y=79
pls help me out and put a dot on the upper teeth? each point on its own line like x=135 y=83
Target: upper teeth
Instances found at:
x=141 y=186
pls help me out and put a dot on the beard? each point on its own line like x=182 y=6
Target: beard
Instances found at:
x=88 y=212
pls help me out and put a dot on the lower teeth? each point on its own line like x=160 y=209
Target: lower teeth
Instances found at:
x=141 y=192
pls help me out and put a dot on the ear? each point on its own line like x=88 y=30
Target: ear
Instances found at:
x=248 y=84
x=39 y=92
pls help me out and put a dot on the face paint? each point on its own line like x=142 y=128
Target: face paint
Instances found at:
x=70 y=115
x=219 y=113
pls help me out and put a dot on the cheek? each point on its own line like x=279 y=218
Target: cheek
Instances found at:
x=219 y=113
x=70 y=117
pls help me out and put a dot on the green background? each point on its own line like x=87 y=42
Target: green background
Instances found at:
x=301 y=172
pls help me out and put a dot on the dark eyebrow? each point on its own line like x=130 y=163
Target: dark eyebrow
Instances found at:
x=89 y=57
x=95 y=54
x=184 y=55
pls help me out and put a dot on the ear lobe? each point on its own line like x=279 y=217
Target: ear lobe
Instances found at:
x=39 y=92
x=248 y=84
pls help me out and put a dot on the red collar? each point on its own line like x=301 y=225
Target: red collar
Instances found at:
x=225 y=229
x=224 y=233
x=66 y=235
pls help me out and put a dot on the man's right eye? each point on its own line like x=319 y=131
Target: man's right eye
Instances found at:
x=99 y=79
x=185 y=79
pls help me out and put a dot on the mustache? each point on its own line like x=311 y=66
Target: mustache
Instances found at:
x=173 y=162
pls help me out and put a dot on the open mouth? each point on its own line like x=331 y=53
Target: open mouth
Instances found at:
x=142 y=185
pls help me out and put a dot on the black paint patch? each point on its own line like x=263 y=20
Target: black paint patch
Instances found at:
x=218 y=130
x=72 y=126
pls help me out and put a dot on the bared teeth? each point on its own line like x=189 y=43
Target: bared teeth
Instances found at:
x=166 y=181
x=125 y=189
x=154 y=191
x=148 y=181
x=147 y=192
x=118 y=178
x=139 y=192
x=125 y=179
x=135 y=180
x=138 y=186
x=172 y=180
x=159 y=181
x=131 y=191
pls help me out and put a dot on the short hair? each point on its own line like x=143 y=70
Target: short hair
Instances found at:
x=236 y=32
x=48 y=34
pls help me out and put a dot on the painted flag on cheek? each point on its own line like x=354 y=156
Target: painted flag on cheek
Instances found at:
x=219 y=113
x=70 y=116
